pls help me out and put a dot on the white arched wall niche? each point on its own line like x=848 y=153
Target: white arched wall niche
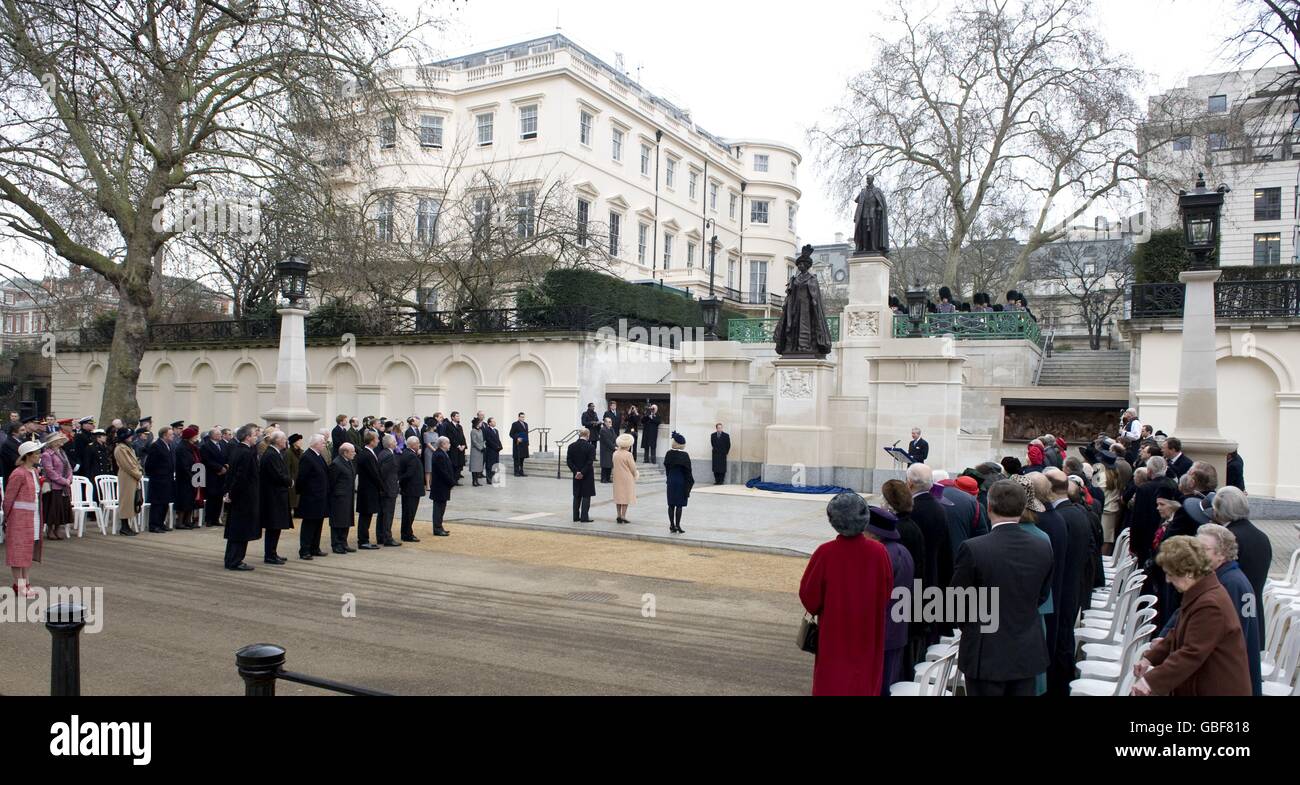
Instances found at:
x=247 y=408
x=526 y=392
x=204 y=413
x=92 y=396
x=460 y=390
x=162 y=404
x=399 y=383
x=1248 y=414
x=342 y=379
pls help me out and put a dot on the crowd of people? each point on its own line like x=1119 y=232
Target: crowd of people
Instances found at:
x=252 y=480
x=1037 y=529
x=980 y=302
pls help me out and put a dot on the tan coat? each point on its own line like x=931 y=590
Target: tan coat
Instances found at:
x=128 y=479
x=625 y=476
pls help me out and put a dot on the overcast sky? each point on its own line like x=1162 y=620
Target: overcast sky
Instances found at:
x=771 y=68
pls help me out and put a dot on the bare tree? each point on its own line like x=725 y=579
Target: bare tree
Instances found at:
x=1269 y=35
x=1092 y=277
x=1003 y=101
x=110 y=113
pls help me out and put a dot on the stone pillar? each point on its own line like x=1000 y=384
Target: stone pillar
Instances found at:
x=800 y=448
x=290 y=409
x=915 y=382
x=1288 y=470
x=709 y=383
x=1198 y=378
x=866 y=321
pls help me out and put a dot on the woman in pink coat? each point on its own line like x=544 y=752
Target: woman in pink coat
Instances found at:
x=22 y=511
x=56 y=492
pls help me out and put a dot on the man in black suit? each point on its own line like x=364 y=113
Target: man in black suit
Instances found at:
x=312 y=486
x=339 y=436
x=591 y=421
x=410 y=478
x=1066 y=602
x=458 y=452
x=581 y=458
x=720 y=442
x=412 y=429
x=519 y=440
x=243 y=498
x=274 y=482
x=650 y=433
x=929 y=516
x=214 y=454
x=160 y=468
x=918 y=449
x=611 y=411
x=491 y=450
x=369 y=500
x=342 y=497
x=441 y=482
x=1236 y=471
x=1179 y=464
x=1017 y=564
x=1145 y=520
x=390 y=487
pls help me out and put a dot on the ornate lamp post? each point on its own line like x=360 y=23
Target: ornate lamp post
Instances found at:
x=1198 y=387
x=712 y=307
x=291 y=409
x=916 y=298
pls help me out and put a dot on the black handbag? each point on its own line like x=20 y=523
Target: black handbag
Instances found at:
x=806 y=640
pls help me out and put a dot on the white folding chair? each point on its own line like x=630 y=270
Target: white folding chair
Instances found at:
x=83 y=504
x=932 y=678
x=1110 y=670
x=106 y=485
x=1124 y=682
x=1282 y=679
x=1111 y=652
x=142 y=519
x=1292 y=576
x=1113 y=633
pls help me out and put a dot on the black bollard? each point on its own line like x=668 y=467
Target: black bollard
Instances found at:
x=258 y=665
x=65 y=622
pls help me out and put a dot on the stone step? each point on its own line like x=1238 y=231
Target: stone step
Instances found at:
x=1085 y=368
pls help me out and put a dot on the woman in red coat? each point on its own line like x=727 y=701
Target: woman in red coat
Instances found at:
x=847 y=586
x=22 y=516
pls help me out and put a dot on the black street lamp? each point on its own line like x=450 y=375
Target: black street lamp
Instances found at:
x=712 y=306
x=1201 y=209
x=293 y=278
x=916 y=299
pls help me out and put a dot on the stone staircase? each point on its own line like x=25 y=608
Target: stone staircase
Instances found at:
x=542 y=464
x=1085 y=368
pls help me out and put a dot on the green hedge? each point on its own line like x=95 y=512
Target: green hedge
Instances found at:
x=1161 y=258
x=612 y=297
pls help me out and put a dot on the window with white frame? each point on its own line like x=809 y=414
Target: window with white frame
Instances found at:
x=525 y=216
x=713 y=196
x=387 y=133
x=670 y=173
x=642 y=239
x=690 y=255
x=426 y=220
x=645 y=160
x=757 y=281
x=615 y=233
x=1217 y=140
x=585 y=124
x=758 y=211
x=482 y=212
x=794 y=171
x=1218 y=104
x=692 y=184
x=430 y=130
x=731 y=272
x=731 y=210
x=790 y=214
x=584 y=217
x=668 y=250
x=1182 y=143
x=483 y=122
x=616 y=144
x=384 y=219
x=760 y=163
x=528 y=122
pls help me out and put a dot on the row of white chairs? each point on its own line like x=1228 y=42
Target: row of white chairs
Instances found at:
x=104 y=505
x=1280 y=660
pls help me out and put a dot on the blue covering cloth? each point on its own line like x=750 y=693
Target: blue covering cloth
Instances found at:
x=775 y=487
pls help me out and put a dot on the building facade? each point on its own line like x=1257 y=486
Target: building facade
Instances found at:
x=658 y=186
x=1235 y=129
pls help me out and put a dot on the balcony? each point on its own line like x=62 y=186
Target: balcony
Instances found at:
x=986 y=326
x=1235 y=297
x=751 y=298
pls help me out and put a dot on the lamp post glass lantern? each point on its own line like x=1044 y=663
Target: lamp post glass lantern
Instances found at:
x=293 y=278
x=916 y=297
x=1201 y=210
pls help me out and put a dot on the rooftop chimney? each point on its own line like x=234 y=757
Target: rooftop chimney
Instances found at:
x=839 y=238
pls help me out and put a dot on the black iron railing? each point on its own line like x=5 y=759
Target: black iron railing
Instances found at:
x=261 y=665
x=378 y=324
x=1233 y=299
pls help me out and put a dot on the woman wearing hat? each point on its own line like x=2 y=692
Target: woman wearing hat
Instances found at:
x=187 y=455
x=56 y=488
x=129 y=473
x=1028 y=522
x=96 y=460
x=21 y=512
x=625 y=475
x=293 y=460
x=883 y=528
x=847 y=586
x=680 y=480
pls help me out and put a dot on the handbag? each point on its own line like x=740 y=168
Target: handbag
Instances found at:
x=806 y=639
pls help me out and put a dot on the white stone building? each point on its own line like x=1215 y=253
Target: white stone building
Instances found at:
x=657 y=184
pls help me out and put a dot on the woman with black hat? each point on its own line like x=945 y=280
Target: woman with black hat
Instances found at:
x=187 y=455
x=883 y=528
x=680 y=480
x=129 y=474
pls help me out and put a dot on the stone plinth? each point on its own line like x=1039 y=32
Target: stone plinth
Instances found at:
x=709 y=383
x=915 y=382
x=800 y=448
x=866 y=322
x=291 y=410
x=1198 y=376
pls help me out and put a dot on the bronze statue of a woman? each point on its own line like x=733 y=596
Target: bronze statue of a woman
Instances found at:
x=802 y=331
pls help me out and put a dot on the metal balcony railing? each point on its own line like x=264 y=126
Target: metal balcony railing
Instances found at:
x=761 y=330
x=983 y=326
x=1233 y=299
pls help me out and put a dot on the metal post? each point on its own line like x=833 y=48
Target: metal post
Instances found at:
x=258 y=665
x=65 y=622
